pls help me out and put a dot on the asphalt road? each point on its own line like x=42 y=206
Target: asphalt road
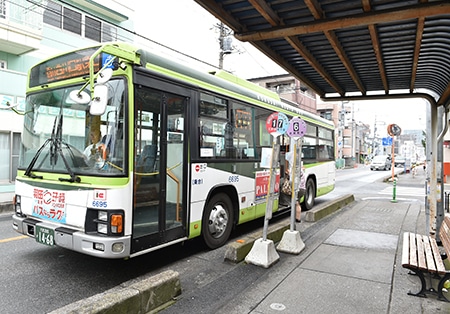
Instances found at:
x=41 y=279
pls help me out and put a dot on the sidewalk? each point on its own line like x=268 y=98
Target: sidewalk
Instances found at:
x=353 y=265
x=356 y=269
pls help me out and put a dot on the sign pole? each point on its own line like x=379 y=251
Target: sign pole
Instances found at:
x=271 y=188
x=263 y=252
x=291 y=242
x=393 y=130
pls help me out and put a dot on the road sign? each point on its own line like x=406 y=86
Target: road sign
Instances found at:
x=394 y=130
x=386 y=141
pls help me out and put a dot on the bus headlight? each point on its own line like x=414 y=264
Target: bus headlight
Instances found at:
x=99 y=246
x=102 y=228
x=118 y=247
x=102 y=215
x=109 y=222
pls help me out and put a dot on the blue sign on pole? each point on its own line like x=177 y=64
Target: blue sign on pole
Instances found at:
x=386 y=141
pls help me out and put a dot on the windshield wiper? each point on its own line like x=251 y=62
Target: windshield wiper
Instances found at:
x=38 y=153
x=55 y=149
x=33 y=161
x=57 y=142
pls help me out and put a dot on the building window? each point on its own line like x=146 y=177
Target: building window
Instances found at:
x=92 y=29
x=16 y=142
x=3 y=9
x=326 y=115
x=53 y=14
x=72 y=21
x=109 y=32
x=278 y=87
x=9 y=155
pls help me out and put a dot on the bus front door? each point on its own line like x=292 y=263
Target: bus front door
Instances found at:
x=159 y=170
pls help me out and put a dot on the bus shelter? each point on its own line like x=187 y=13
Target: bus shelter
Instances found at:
x=358 y=50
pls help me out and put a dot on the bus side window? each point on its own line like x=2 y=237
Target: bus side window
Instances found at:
x=323 y=152
x=309 y=152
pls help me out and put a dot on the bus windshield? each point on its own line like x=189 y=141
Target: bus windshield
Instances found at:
x=61 y=136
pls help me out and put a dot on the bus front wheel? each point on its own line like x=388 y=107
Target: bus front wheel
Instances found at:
x=217 y=221
x=310 y=195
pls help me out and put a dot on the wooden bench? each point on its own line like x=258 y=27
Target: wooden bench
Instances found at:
x=421 y=255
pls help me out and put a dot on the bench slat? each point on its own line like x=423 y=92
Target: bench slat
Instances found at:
x=405 y=250
x=439 y=264
x=444 y=234
x=412 y=250
x=421 y=252
x=431 y=260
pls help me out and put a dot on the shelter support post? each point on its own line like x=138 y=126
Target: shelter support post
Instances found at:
x=432 y=195
x=443 y=127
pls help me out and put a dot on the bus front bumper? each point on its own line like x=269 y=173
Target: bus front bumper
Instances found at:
x=94 y=245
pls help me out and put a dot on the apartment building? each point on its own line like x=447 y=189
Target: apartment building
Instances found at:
x=32 y=30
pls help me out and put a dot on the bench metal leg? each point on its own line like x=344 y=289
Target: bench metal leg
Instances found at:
x=441 y=296
x=423 y=289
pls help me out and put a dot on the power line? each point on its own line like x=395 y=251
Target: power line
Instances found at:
x=126 y=30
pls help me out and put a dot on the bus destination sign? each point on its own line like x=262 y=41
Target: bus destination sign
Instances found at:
x=75 y=64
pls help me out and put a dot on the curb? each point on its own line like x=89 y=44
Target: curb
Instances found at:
x=6 y=207
x=239 y=249
x=325 y=209
x=158 y=292
x=146 y=296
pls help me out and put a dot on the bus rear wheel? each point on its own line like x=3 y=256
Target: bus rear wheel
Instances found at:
x=217 y=221
x=310 y=195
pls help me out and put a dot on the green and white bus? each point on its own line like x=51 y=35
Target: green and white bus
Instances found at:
x=179 y=155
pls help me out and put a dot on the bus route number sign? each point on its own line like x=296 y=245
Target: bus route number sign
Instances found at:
x=277 y=124
x=297 y=128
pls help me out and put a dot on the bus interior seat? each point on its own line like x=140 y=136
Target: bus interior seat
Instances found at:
x=147 y=159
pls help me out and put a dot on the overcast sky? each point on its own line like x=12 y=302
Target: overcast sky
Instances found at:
x=186 y=27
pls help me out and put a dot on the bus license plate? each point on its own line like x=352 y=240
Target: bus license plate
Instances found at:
x=45 y=236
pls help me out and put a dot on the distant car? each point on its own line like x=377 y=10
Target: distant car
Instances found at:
x=381 y=162
x=399 y=161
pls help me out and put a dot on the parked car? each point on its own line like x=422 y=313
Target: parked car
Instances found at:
x=381 y=162
x=399 y=161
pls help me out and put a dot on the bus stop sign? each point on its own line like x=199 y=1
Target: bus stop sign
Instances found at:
x=277 y=124
x=297 y=128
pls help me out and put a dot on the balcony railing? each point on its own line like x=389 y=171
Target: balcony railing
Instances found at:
x=20 y=25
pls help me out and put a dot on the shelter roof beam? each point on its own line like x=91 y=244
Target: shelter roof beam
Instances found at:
x=364 y=19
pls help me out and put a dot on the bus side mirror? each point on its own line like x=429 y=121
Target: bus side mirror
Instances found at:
x=8 y=105
x=13 y=107
x=80 y=97
x=100 y=100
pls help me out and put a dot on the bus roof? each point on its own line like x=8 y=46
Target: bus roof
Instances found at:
x=218 y=81
x=229 y=84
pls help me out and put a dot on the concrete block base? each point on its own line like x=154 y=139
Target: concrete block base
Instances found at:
x=291 y=242
x=263 y=253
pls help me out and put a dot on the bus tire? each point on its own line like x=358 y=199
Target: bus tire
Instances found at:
x=310 y=195
x=217 y=221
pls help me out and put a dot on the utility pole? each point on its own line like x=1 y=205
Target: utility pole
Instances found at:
x=225 y=43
